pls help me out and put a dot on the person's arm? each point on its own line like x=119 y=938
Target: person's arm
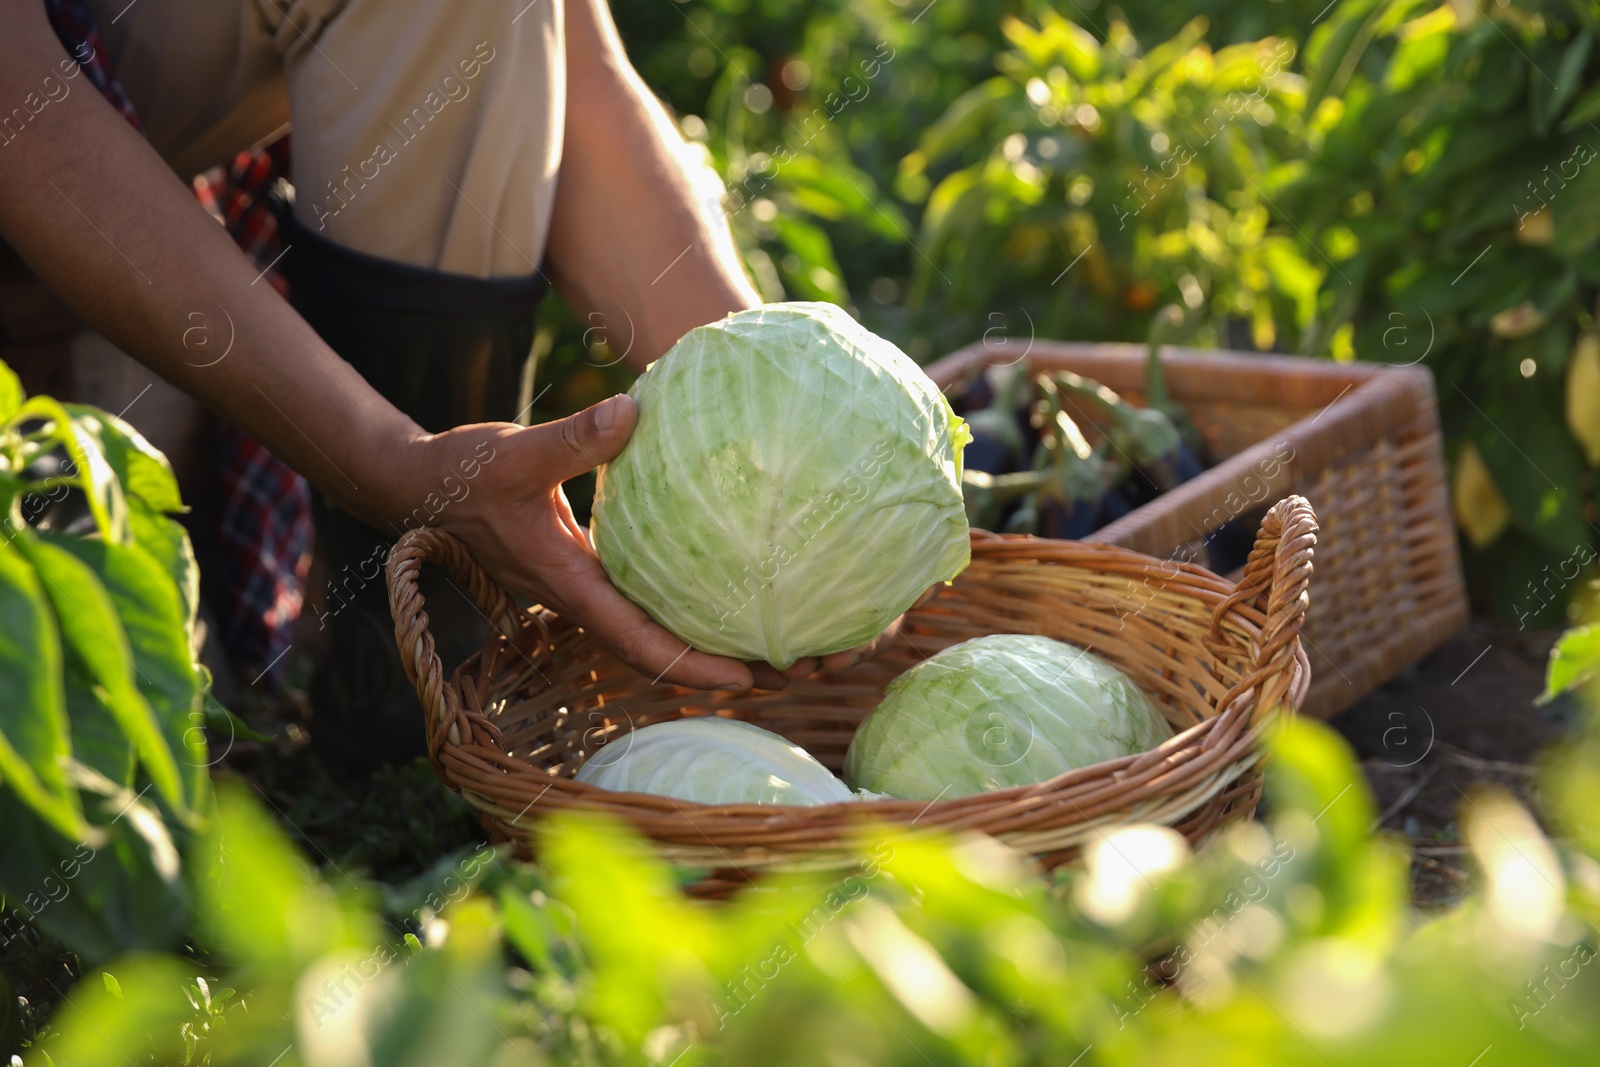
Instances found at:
x=103 y=221
x=625 y=233
x=626 y=236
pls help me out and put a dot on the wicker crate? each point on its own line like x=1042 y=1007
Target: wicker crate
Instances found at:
x=1359 y=440
x=510 y=726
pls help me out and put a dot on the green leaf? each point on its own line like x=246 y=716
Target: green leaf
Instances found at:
x=1336 y=48
x=261 y=903
x=968 y=116
x=1162 y=57
x=223 y=721
x=431 y=993
x=97 y=737
x=1501 y=82
x=34 y=739
x=1293 y=275
x=1471 y=149
x=99 y=1029
x=152 y=612
x=654 y=923
x=101 y=487
x=1515 y=571
x=1537 y=467
x=11 y=394
x=167 y=542
x=1575 y=208
x=142 y=469
x=100 y=660
x=834 y=191
x=1324 y=801
x=1586 y=109
x=1454 y=285
x=1548 y=100
x=1418 y=58
x=526 y=929
x=1568 y=74
x=123 y=892
x=1573 y=661
x=819 y=276
x=957 y=202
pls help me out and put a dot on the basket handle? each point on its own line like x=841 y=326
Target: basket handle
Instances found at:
x=429 y=544
x=1276 y=578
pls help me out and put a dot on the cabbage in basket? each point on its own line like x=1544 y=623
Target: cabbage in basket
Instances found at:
x=793 y=485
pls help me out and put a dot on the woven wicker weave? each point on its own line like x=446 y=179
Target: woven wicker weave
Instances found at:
x=1363 y=445
x=511 y=725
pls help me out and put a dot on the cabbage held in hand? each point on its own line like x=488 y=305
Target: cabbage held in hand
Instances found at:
x=996 y=712
x=792 y=486
x=713 y=761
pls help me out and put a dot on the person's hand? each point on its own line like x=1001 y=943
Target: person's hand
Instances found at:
x=838 y=661
x=518 y=523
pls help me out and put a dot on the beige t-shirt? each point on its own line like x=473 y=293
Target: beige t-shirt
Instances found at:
x=426 y=133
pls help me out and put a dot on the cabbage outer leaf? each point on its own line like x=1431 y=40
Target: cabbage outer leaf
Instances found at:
x=792 y=486
x=996 y=712
x=713 y=761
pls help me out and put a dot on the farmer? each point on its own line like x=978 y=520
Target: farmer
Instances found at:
x=447 y=159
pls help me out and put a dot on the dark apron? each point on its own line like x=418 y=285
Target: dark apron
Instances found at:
x=447 y=350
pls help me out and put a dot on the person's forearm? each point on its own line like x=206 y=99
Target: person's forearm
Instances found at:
x=103 y=221
x=626 y=232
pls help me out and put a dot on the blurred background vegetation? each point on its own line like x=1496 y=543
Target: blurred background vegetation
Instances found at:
x=1391 y=180
x=1286 y=941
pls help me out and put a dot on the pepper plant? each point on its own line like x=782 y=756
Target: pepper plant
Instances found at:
x=1455 y=196
x=1392 y=180
x=1091 y=182
x=103 y=768
x=1287 y=941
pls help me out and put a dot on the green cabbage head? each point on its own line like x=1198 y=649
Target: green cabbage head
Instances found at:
x=996 y=712
x=713 y=761
x=793 y=485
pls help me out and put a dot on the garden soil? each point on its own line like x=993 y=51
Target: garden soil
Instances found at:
x=1461 y=721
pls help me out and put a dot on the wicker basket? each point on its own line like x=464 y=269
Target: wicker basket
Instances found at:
x=513 y=723
x=1359 y=440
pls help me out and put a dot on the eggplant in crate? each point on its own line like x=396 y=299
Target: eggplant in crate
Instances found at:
x=1073 y=486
